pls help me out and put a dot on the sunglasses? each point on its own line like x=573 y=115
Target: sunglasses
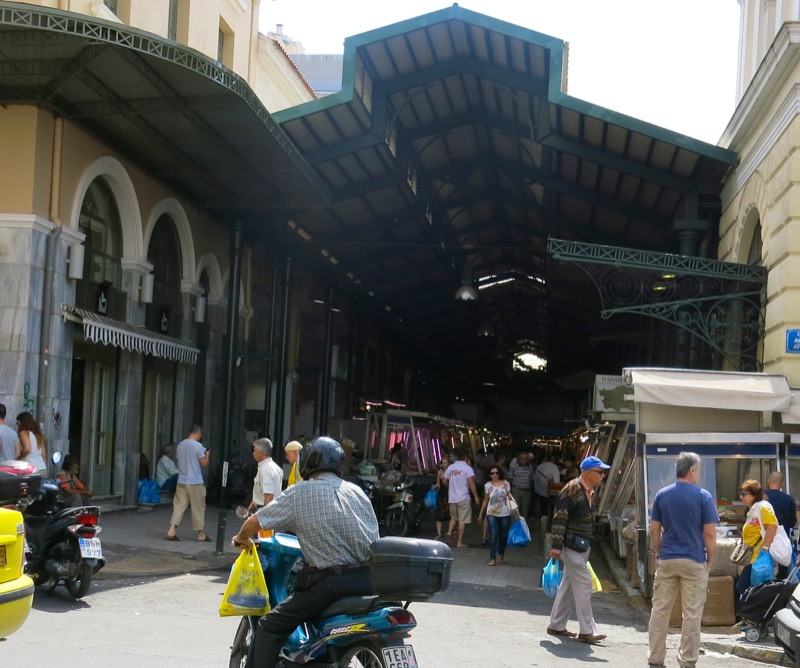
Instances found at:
x=744 y=493
x=494 y=472
x=600 y=471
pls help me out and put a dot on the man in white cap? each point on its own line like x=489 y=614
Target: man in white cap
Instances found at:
x=572 y=533
x=292 y=451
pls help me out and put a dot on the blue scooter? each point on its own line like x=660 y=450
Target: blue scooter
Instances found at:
x=356 y=631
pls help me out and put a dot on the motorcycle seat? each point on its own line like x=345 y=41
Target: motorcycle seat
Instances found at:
x=353 y=605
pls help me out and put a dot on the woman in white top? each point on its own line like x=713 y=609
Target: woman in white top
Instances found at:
x=32 y=442
x=497 y=511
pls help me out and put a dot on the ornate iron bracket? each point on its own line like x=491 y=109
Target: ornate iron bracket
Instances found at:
x=717 y=302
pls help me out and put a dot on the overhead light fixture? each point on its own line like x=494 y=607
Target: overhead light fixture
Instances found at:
x=466 y=292
x=486 y=329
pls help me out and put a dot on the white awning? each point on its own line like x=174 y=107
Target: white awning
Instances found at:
x=792 y=414
x=710 y=389
x=100 y=329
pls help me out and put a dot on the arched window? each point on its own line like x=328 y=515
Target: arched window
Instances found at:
x=754 y=255
x=164 y=314
x=100 y=222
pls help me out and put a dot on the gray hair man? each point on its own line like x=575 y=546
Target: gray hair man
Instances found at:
x=683 y=535
x=268 y=483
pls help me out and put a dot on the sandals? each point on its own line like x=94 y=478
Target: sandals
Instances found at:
x=437 y=537
x=491 y=562
x=500 y=558
x=205 y=539
x=172 y=537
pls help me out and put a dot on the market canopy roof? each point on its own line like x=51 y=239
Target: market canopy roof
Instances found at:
x=185 y=119
x=710 y=389
x=453 y=153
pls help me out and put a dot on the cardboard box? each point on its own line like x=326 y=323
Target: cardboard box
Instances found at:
x=719 y=607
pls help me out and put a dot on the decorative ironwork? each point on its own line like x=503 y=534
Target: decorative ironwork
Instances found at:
x=717 y=302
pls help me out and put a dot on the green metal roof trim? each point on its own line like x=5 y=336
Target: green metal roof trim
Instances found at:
x=556 y=96
x=20 y=15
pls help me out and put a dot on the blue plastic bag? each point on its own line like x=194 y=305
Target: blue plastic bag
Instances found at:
x=149 y=492
x=519 y=535
x=431 y=499
x=762 y=570
x=551 y=577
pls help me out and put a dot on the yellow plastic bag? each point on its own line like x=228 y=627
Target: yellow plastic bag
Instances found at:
x=246 y=592
x=596 y=586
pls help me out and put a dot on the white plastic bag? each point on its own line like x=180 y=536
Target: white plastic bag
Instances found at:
x=781 y=549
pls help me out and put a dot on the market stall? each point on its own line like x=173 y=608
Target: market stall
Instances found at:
x=725 y=417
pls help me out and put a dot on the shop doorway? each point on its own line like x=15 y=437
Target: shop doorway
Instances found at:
x=157 y=414
x=92 y=439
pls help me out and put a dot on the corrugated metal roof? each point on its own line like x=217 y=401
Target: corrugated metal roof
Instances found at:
x=453 y=143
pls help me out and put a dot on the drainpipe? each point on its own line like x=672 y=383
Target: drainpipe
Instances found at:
x=234 y=279
x=43 y=376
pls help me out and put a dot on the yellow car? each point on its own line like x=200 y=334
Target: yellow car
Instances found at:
x=16 y=589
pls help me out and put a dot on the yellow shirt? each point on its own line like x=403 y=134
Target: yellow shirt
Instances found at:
x=751 y=532
x=294 y=476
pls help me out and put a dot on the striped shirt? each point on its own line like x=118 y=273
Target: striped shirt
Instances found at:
x=333 y=520
x=521 y=477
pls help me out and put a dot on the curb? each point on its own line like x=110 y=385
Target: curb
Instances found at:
x=137 y=562
x=744 y=650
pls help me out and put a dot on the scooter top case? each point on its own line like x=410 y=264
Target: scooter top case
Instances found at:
x=18 y=480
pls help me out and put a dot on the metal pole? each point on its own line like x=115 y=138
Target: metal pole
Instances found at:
x=270 y=349
x=234 y=278
x=283 y=369
x=326 y=370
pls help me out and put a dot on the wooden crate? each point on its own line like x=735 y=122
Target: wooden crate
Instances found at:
x=719 y=607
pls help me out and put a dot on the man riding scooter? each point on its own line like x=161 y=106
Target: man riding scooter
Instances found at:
x=335 y=525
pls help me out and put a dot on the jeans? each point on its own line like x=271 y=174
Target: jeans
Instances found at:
x=498 y=535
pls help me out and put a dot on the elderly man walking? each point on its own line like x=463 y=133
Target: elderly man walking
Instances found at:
x=683 y=535
x=573 y=531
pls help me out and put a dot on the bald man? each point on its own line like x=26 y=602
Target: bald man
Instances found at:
x=785 y=510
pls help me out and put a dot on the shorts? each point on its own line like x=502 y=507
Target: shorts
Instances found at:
x=462 y=511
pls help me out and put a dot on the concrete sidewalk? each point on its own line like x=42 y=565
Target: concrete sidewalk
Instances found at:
x=134 y=546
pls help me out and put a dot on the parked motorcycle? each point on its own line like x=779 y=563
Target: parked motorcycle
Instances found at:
x=62 y=543
x=399 y=507
x=356 y=631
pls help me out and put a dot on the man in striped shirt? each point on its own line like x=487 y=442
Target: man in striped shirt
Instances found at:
x=520 y=475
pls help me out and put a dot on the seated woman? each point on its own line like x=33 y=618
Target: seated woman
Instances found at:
x=72 y=491
x=166 y=469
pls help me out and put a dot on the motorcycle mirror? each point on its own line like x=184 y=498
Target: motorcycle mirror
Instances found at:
x=57 y=457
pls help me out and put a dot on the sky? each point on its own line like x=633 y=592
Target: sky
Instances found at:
x=668 y=62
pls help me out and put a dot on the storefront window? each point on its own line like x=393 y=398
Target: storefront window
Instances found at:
x=721 y=476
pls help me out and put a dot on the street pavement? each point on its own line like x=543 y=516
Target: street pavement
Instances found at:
x=134 y=545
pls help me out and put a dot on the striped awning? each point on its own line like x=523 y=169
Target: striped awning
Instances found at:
x=101 y=329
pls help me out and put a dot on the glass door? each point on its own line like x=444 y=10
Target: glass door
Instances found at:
x=101 y=426
x=156 y=416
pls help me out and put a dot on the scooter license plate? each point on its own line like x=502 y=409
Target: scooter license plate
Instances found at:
x=401 y=656
x=90 y=548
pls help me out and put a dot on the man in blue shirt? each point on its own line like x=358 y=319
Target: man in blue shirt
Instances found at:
x=683 y=535
x=785 y=510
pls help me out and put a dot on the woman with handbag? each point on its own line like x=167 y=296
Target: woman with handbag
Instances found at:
x=759 y=528
x=495 y=508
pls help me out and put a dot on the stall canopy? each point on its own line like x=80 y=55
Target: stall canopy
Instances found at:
x=792 y=414
x=710 y=389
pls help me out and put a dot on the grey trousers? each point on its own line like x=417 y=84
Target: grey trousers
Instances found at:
x=575 y=590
